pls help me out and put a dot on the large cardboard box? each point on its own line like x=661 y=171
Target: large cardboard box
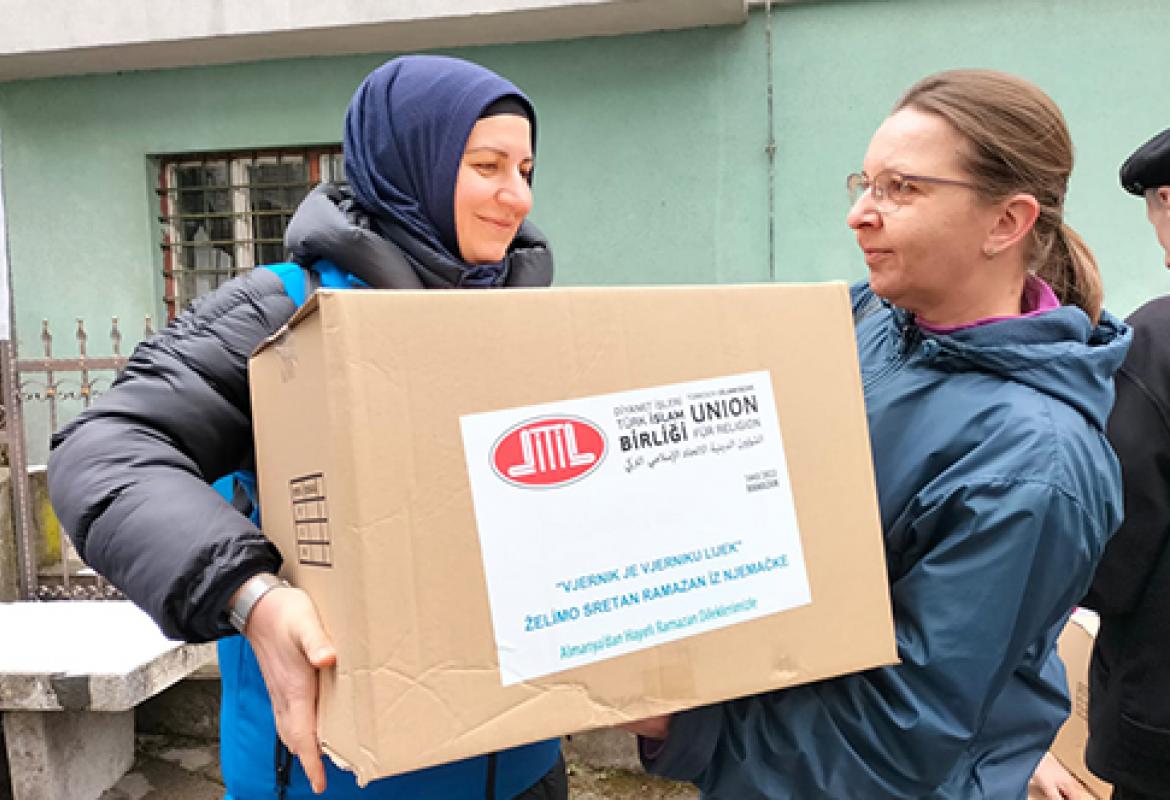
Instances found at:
x=527 y=513
x=1075 y=646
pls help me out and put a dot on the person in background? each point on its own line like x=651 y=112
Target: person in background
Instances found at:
x=438 y=155
x=1129 y=675
x=987 y=365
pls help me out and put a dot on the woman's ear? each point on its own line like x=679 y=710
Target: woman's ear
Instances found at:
x=1017 y=217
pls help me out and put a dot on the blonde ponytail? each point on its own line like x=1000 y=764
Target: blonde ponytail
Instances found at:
x=1065 y=262
x=1019 y=142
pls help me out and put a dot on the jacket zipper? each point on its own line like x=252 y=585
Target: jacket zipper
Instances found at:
x=283 y=759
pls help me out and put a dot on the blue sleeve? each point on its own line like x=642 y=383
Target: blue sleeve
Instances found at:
x=1004 y=565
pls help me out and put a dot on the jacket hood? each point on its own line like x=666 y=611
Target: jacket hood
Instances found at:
x=1059 y=352
x=330 y=225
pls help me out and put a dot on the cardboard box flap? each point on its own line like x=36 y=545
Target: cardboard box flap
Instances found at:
x=310 y=307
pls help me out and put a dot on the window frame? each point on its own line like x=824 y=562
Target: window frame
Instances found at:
x=322 y=161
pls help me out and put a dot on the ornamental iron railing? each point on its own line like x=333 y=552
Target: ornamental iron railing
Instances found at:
x=48 y=566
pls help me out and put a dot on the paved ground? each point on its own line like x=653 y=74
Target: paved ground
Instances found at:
x=174 y=768
x=171 y=768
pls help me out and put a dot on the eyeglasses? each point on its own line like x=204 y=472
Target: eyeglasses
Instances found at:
x=891 y=190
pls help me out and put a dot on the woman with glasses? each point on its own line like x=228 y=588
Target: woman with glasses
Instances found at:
x=988 y=367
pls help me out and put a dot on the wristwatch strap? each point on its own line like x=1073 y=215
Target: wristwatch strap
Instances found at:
x=256 y=587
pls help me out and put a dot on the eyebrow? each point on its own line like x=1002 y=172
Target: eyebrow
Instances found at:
x=495 y=150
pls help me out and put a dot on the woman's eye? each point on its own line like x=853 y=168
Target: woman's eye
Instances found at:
x=486 y=167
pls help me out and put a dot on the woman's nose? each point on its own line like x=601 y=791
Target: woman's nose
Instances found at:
x=863 y=212
x=516 y=194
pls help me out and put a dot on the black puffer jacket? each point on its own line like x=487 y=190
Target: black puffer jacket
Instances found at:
x=129 y=478
x=1129 y=679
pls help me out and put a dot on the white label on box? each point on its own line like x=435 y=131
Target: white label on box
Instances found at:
x=614 y=523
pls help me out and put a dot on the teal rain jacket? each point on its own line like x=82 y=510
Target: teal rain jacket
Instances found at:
x=998 y=492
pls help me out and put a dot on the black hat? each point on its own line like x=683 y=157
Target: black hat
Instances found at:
x=1148 y=167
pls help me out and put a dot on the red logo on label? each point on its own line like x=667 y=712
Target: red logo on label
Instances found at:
x=548 y=452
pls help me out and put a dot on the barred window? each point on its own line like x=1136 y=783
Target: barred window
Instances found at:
x=224 y=213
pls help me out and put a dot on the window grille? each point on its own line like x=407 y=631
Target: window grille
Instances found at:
x=224 y=213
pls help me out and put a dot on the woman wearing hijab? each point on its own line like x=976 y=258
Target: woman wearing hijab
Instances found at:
x=439 y=156
x=987 y=363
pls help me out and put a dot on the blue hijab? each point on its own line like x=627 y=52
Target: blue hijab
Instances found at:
x=405 y=132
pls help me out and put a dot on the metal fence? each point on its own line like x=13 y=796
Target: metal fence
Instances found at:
x=49 y=568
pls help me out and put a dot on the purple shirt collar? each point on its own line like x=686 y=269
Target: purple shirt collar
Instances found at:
x=1038 y=298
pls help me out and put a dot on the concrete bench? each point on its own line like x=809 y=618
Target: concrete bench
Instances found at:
x=71 y=674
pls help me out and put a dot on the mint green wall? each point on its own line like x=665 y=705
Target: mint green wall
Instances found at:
x=652 y=163
x=840 y=66
x=647 y=146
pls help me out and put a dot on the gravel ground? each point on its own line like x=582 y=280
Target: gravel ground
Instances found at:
x=591 y=783
x=178 y=768
x=175 y=768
